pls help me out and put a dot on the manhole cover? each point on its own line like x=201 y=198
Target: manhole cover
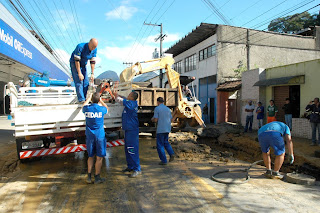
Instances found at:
x=301 y=179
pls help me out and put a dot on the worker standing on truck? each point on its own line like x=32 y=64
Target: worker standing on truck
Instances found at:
x=272 y=134
x=162 y=116
x=78 y=62
x=95 y=135
x=130 y=125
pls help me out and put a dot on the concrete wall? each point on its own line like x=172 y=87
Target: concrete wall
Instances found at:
x=267 y=49
x=204 y=68
x=309 y=90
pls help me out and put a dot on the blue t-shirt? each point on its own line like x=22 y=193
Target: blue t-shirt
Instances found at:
x=82 y=51
x=94 y=117
x=260 y=115
x=275 y=126
x=163 y=114
x=130 y=115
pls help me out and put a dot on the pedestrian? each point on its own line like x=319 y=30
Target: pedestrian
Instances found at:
x=130 y=125
x=78 y=61
x=205 y=113
x=249 y=108
x=314 y=108
x=271 y=135
x=162 y=116
x=260 y=114
x=95 y=135
x=288 y=113
x=272 y=111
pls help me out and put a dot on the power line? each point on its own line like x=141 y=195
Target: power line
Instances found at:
x=77 y=20
x=246 y=9
x=66 y=16
x=216 y=11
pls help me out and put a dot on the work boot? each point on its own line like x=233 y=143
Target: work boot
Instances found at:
x=162 y=163
x=89 y=181
x=135 y=174
x=276 y=175
x=171 y=158
x=268 y=173
x=127 y=170
x=98 y=179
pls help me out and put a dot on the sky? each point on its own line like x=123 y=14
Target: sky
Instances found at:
x=118 y=25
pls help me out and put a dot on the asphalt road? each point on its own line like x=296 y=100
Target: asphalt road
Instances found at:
x=57 y=184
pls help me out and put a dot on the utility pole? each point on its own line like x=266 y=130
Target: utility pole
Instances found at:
x=129 y=64
x=161 y=38
x=248 y=51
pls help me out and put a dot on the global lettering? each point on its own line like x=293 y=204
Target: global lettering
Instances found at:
x=8 y=39
x=19 y=46
x=93 y=114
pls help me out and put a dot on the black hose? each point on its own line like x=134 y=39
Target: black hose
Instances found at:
x=235 y=170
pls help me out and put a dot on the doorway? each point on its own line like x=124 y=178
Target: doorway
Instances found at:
x=212 y=110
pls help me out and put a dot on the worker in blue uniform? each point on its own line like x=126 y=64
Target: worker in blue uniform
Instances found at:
x=162 y=116
x=130 y=125
x=95 y=135
x=271 y=135
x=78 y=62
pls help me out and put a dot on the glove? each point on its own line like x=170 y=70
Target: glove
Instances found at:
x=291 y=159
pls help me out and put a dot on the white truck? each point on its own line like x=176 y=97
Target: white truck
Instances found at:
x=47 y=124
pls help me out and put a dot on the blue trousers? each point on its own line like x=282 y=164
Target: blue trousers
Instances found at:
x=205 y=118
x=288 y=119
x=249 y=121
x=163 y=144
x=81 y=86
x=131 y=146
x=315 y=127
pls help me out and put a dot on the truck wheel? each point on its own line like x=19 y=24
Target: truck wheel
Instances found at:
x=19 y=142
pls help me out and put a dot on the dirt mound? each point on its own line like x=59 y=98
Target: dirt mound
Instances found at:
x=9 y=163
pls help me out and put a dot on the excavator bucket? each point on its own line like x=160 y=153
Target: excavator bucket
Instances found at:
x=127 y=74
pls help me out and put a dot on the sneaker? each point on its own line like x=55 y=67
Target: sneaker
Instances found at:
x=276 y=175
x=268 y=173
x=98 y=179
x=172 y=158
x=127 y=170
x=89 y=181
x=135 y=174
x=162 y=163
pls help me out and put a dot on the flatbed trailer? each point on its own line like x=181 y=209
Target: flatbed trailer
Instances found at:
x=48 y=121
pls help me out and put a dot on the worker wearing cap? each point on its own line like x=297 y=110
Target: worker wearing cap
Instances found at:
x=95 y=135
x=162 y=116
x=130 y=125
x=78 y=62
x=272 y=134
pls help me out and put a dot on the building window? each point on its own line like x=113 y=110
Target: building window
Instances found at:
x=190 y=63
x=178 y=67
x=207 y=52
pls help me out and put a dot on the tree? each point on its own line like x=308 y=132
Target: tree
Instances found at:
x=293 y=23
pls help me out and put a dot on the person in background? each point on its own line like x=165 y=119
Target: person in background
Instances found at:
x=78 y=61
x=314 y=108
x=162 y=116
x=271 y=135
x=249 y=108
x=130 y=125
x=95 y=135
x=288 y=113
x=205 y=113
x=272 y=111
x=260 y=114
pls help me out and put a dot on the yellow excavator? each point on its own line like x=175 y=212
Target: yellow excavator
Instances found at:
x=187 y=109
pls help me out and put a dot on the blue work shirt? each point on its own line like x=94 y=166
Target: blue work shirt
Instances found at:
x=260 y=115
x=94 y=118
x=275 y=126
x=163 y=114
x=130 y=115
x=82 y=50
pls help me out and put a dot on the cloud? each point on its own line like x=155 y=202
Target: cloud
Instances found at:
x=122 y=12
x=63 y=55
x=63 y=20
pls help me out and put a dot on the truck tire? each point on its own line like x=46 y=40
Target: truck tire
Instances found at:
x=19 y=142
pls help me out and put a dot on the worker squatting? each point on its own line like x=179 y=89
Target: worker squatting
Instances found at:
x=6 y=38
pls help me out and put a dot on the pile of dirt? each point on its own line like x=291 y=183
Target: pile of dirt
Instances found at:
x=9 y=162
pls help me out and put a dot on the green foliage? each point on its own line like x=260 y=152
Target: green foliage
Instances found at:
x=293 y=23
x=240 y=69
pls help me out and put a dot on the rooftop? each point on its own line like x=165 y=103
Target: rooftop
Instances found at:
x=229 y=86
x=197 y=35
